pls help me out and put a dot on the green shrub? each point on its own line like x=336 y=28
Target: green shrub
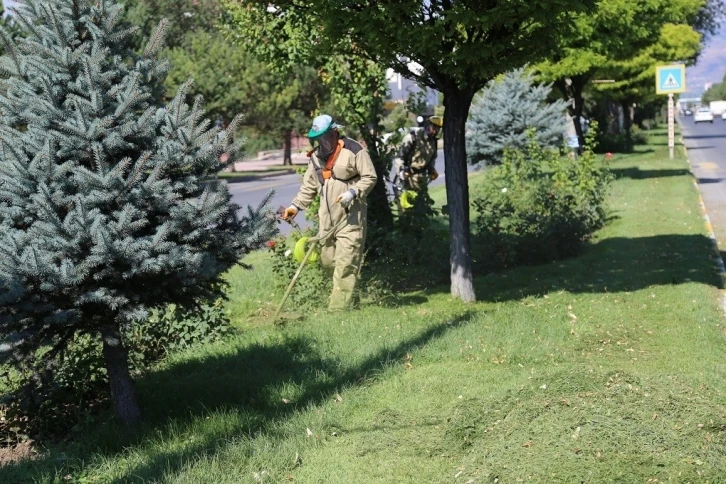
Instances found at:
x=412 y=255
x=538 y=206
x=614 y=143
x=638 y=135
x=621 y=142
x=175 y=328
x=314 y=284
x=47 y=401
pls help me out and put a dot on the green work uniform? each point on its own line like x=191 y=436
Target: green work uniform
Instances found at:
x=418 y=152
x=342 y=252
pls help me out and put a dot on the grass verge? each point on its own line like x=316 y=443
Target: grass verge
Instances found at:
x=246 y=175
x=604 y=367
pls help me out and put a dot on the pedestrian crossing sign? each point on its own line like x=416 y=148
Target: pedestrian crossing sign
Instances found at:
x=670 y=79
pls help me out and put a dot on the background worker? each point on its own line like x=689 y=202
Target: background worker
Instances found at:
x=341 y=172
x=416 y=163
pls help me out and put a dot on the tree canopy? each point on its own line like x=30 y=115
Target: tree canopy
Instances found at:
x=716 y=92
x=455 y=47
x=623 y=39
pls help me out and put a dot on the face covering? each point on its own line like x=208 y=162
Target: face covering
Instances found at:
x=326 y=144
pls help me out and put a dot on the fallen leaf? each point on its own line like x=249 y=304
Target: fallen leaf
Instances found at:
x=285 y=400
x=309 y=432
x=528 y=444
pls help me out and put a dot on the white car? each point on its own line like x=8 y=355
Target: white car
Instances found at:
x=723 y=116
x=703 y=115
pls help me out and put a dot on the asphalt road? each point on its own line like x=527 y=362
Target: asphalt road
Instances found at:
x=706 y=144
x=245 y=193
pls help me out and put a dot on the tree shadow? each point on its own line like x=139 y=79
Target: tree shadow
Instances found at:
x=399 y=300
x=616 y=264
x=693 y=148
x=704 y=136
x=246 y=383
x=638 y=174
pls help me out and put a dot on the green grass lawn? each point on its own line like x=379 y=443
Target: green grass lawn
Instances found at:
x=606 y=367
x=272 y=170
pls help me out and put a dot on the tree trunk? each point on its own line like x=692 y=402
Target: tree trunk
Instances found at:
x=627 y=124
x=123 y=392
x=456 y=110
x=572 y=90
x=379 y=210
x=578 y=108
x=287 y=149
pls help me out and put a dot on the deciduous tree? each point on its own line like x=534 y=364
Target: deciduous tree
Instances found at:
x=455 y=47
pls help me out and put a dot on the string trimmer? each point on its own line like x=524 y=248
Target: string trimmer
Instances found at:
x=314 y=242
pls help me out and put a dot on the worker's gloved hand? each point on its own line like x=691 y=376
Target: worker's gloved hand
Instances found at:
x=290 y=213
x=433 y=175
x=346 y=198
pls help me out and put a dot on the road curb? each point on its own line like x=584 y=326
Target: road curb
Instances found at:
x=709 y=231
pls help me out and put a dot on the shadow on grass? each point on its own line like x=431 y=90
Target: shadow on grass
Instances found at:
x=704 y=136
x=616 y=264
x=246 y=383
x=638 y=174
x=709 y=147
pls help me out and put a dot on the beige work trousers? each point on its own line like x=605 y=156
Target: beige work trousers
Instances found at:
x=342 y=255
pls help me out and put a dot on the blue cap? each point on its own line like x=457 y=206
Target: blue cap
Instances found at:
x=321 y=125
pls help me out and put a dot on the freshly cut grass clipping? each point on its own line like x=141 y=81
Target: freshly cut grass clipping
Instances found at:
x=301 y=248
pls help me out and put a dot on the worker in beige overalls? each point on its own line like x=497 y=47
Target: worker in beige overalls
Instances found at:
x=341 y=171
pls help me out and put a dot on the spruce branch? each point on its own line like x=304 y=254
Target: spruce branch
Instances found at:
x=156 y=43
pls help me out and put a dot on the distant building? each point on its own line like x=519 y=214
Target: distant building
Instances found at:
x=401 y=88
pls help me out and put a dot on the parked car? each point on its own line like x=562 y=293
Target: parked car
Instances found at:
x=703 y=115
x=688 y=112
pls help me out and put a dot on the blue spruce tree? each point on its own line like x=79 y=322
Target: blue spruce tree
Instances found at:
x=504 y=112
x=104 y=212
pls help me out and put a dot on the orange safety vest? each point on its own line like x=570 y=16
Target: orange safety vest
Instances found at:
x=328 y=170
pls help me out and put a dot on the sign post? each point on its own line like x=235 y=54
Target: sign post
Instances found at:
x=670 y=80
x=671 y=125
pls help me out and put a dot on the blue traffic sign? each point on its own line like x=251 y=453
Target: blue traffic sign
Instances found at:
x=670 y=79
